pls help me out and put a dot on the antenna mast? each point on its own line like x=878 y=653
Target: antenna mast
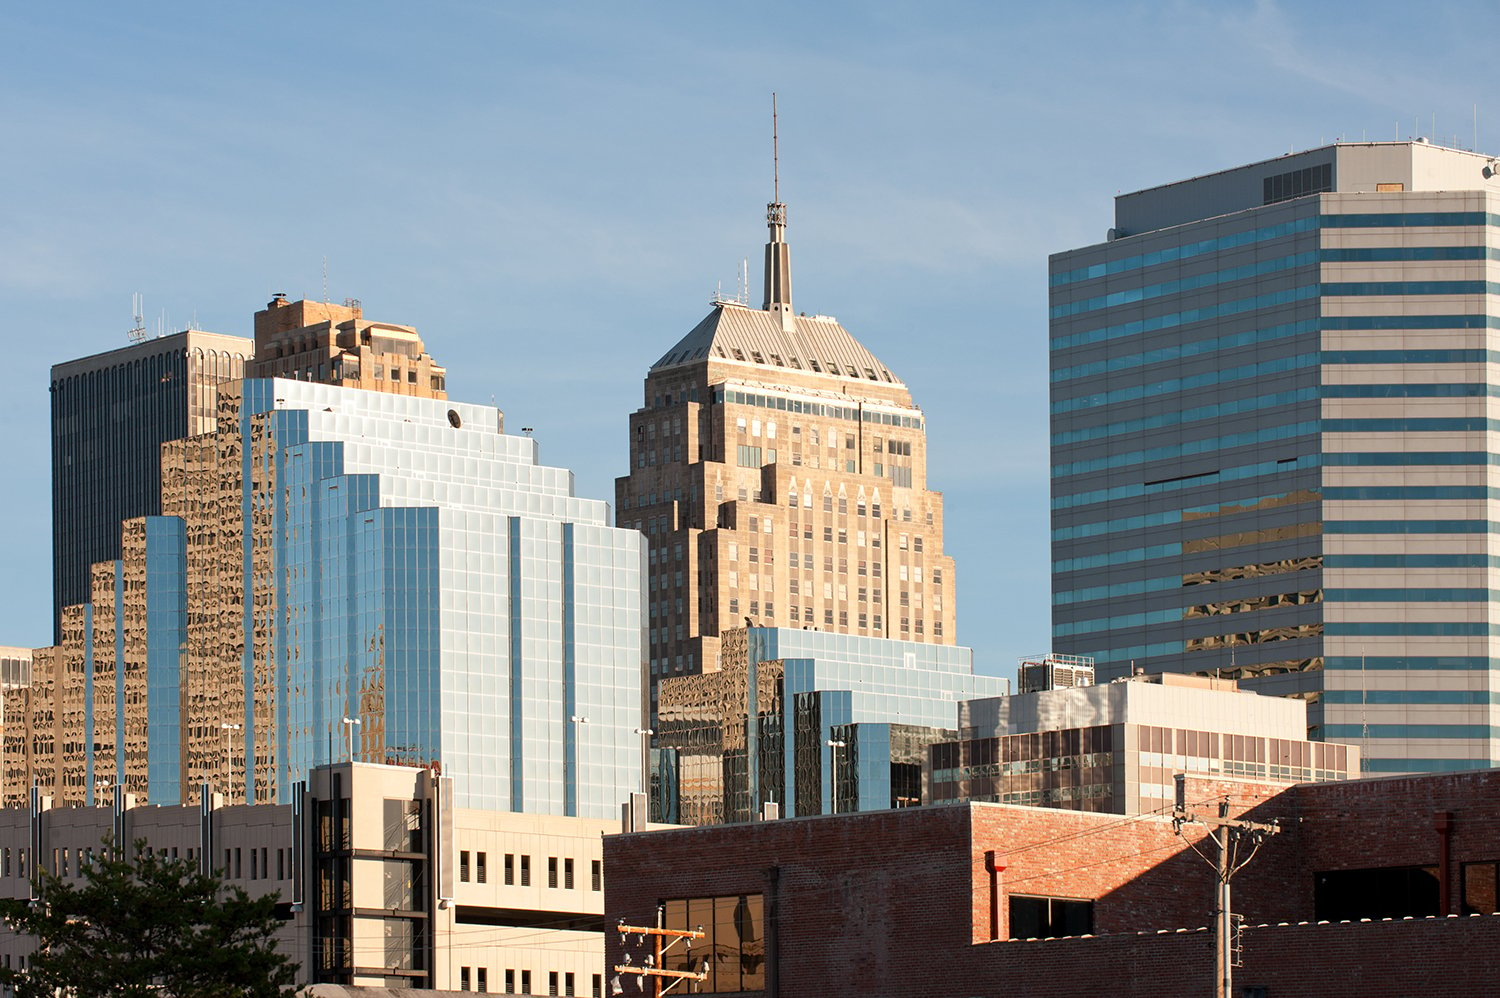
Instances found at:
x=775 y=154
x=137 y=333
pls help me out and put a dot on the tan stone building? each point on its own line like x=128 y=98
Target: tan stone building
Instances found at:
x=779 y=471
x=337 y=345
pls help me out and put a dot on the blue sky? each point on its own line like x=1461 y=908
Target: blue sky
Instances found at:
x=551 y=192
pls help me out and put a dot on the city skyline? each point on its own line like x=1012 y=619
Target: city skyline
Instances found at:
x=539 y=187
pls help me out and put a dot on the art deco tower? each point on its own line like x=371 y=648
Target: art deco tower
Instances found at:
x=778 y=470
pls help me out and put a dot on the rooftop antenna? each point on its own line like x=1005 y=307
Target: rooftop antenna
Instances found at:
x=325 y=278
x=137 y=332
x=778 y=297
x=775 y=154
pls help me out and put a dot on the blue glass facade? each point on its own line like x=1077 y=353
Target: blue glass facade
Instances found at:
x=400 y=561
x=1271 y=448
x=758 y=730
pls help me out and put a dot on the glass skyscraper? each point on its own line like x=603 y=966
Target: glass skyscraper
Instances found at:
x=1272 y=449
x=331 y=555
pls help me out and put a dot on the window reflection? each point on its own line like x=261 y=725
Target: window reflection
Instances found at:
x=733 y=954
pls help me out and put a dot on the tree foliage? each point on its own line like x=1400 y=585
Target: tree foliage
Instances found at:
x=146 y=925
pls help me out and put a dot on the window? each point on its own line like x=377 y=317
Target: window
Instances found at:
x=552 y=982
x=1479 y=889
x=510 y=982
x=567 y=984
x=596 y=874
x=482 y=981
x=463 y=865
x=510 y=869
x=1046 y=918
x=567 y=874
x=463 y=979
x=598 y=986
x=552 y=871
x=525 y=975
x=735 y=927
x=1382 y=892
x=481 y=867
x=1297 y=183
x=525 y=875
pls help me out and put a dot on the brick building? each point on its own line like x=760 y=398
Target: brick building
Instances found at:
x=963 y=899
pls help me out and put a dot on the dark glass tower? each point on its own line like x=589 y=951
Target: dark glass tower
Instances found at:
x=110 y=415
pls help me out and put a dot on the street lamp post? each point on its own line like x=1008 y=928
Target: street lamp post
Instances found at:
x=570 y=765
x=834 y=744
x=351 y=723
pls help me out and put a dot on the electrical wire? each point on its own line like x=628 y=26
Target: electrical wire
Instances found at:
x=1153 y=813
x=1009 y=881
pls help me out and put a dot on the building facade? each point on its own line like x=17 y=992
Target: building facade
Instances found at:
x=341 y=572
x=1370 y=887
x=809 y=721
x=1270 y=449
x=337 y=345
x=1116 y=747
x=381 y=879
x=779 y=472
x=111 y=413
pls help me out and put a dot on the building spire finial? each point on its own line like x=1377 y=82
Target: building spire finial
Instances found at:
x=775 y=155
x=778 y=254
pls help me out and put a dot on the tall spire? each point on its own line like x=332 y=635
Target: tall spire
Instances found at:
x=778 y=254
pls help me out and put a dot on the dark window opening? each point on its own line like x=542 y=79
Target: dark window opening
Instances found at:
x=1384 y=892
x=1047 y=918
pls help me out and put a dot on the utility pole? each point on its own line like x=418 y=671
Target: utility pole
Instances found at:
x=651 y=965
x=1231 y=836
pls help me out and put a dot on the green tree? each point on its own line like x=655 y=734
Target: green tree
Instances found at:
x=146 y=925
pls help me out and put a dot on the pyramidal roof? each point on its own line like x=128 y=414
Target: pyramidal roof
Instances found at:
x=815 y=344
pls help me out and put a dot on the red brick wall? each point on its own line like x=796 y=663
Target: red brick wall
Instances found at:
x=864 y=900
x=1453 y=957
x=894 y=902
x=1390 y=822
